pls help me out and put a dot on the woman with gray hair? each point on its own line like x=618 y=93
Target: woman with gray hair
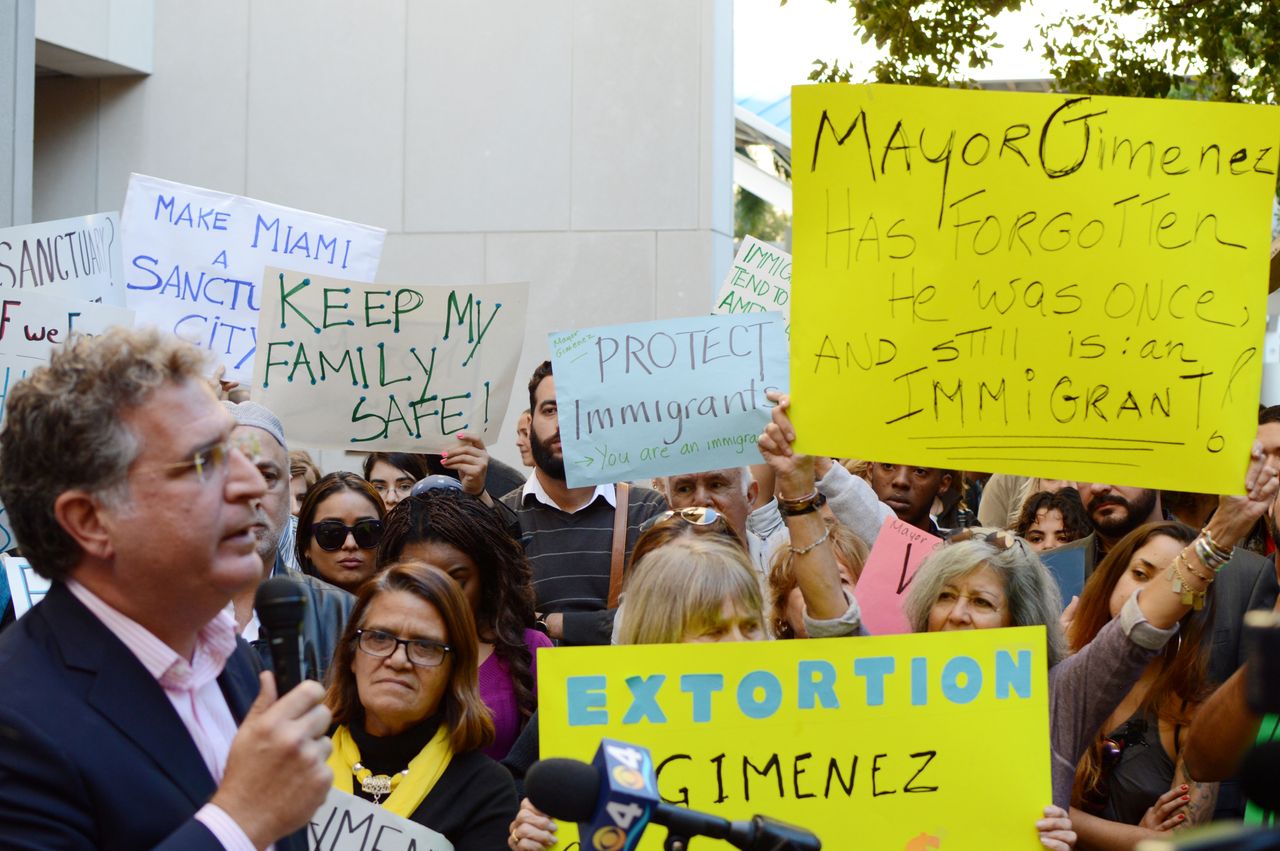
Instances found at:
x=986 y=580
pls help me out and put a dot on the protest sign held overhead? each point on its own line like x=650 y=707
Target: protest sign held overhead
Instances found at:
x=1059 y=286
x=76 y=258
x=665 y=397
x=891 y=734
x=194 y=260
x=387 y=367
x=758 y=281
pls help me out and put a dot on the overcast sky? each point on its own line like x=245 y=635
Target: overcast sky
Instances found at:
x=774 y=46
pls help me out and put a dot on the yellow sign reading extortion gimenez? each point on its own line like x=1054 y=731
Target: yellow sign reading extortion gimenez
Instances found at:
x=872 y=743
x=1050 y=285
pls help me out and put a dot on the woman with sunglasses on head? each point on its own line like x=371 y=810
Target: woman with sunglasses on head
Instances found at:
x=457 y=533
x=987 y=580
x=1132 y=783
x=339 y=528
x=410 y=724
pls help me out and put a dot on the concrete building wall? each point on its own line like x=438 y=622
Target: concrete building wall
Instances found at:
x=582 y=145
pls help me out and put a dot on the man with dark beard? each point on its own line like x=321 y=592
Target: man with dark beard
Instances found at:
x=568 y=533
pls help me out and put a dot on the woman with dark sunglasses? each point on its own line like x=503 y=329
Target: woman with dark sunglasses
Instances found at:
x=339 y=528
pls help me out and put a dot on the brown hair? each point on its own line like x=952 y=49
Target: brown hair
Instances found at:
x=1181 y=681
x=301 y=464
x=318 y=493
x=63 y=430
x=850 y=550
x=469 y=722
x=665 y=531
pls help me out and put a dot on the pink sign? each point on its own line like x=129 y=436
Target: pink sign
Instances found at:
x=899 y=549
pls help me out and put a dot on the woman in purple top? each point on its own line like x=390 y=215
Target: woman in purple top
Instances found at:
x=457 y=533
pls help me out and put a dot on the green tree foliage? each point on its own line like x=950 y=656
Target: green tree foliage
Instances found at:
x=756 y=217
x=1220 y=49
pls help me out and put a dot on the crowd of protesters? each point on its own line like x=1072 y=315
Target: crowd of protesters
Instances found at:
x=434 y=581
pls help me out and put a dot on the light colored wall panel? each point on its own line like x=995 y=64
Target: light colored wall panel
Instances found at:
x=488 y=116
x=717 y=122
x=80 y=25
x=187 y=121
x=637 y=82
x=430 y=258
x=17 y=83
x=326 y=108
x=65 y=174
x=690 y=266
x=131 y=33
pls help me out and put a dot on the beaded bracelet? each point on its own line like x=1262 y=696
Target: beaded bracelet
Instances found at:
x=801 y=551
x=1213 y=559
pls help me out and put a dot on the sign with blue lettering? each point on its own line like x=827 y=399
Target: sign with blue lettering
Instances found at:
x=194 y=260
x=78 y=257
x=894 y=741
x=666 y=397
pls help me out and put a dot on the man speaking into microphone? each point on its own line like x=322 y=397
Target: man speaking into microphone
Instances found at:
x=125 y=686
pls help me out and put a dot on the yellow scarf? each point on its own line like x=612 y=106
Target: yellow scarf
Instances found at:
x=424 y=770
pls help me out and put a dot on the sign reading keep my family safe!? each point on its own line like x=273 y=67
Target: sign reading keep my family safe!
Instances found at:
x=389 y=368
x=1060 y=286
x=885 y=742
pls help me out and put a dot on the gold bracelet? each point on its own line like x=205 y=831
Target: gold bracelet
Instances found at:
x=1186 y=562
x=1189 y=597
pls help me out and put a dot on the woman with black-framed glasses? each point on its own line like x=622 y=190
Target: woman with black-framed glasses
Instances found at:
x=410 y=723
x=339 y=529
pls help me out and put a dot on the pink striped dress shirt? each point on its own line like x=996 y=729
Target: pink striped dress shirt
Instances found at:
x=192 y=688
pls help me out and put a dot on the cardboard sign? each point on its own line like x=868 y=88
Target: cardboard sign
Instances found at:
x=759 y=281
x=76 y=258
x=882 y=739
x=1061 y=286
x=195 y=259
x=665 y=397
x=392 y=367
x=26 y=587
x=347 y=823
x=32 y=323
x=886 y=577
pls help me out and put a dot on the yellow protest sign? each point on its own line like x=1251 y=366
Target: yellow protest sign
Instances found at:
x=1060 y=286
x=876 y=743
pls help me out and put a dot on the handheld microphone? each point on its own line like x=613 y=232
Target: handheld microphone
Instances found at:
x=612 y=814
x=281 y=605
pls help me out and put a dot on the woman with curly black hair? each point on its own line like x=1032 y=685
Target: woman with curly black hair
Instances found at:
x=457 y=533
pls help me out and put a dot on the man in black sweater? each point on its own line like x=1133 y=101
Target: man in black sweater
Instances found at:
x=568 y=532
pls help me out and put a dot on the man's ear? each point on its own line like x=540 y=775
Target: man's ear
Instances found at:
x=946 y=483
x=80 y=515
x=753 y=491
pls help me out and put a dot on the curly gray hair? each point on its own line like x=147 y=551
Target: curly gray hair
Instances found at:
x=1032 y=592
x=63 y=430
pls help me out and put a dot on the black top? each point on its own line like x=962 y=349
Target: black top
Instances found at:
x=472 y=803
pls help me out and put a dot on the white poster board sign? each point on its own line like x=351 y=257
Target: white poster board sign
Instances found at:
x=78 y=257
x=194 y=260
x=758 y=281
x=347 y=823
x=393 y=368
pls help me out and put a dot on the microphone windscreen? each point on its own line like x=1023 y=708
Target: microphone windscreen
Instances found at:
x=280 y=603
x=563 y=788
x=1259 y=775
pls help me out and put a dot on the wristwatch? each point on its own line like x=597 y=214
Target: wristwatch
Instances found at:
x=541 y=626
x=803 y=505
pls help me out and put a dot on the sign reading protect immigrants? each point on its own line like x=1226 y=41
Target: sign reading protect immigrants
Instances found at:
x=391 y=368
x=885 y=739
x=1060 y=286
x=665 y=397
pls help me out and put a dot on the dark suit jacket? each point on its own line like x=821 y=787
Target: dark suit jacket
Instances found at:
x=92 y=753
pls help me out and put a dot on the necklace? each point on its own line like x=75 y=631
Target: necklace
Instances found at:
x=377 y=785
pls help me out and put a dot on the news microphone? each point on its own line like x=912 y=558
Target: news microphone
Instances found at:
x=281 y=605
x=612 y=814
